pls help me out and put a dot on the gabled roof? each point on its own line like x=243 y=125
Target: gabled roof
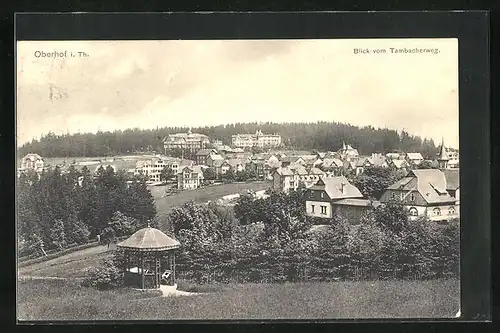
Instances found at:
x=414 y=156
x=216 y=157
x=149 y=239
x=332 y=162
x=363 y=161
x=205 y=152
x=33 y=157
x=399 y=163
x=316 y=171
x=430 y=183
x=284 y=171
x=337 y=188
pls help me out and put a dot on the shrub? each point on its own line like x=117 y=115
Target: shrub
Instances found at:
x=107 y=276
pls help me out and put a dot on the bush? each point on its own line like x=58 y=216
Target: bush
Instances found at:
x=107 y=276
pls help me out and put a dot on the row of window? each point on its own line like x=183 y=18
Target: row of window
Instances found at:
x=323 y=209
x=435 y=211
x=402 y=196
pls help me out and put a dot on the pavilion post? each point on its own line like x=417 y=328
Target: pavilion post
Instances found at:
x=173 y=269
x=170 y=264
x=142 y=268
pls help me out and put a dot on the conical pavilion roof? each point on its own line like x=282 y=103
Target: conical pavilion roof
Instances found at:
x=149 y=239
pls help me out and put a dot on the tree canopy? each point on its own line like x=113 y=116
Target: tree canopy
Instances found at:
x=323 y=136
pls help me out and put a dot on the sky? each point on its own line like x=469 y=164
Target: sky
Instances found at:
x=149 y=84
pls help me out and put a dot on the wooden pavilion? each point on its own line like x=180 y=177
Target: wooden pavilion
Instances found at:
x=149 y=259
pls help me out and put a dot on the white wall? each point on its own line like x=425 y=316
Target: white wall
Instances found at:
x=317 y=209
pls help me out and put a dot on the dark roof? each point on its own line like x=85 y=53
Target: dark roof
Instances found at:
x=452 y=179
x=149 y=239
x=430 y=183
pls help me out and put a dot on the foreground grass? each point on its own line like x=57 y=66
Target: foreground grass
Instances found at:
x=65 y=300
x=209 y=193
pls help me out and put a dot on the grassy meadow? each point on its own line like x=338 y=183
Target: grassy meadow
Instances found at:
x=56 y=300
x=164 y=205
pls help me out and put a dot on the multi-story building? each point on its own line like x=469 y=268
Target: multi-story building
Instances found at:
x=330 y=196
x=153 y=167
x=32 y=162
x=203 y=154
x=347 y=152
x=429 y=193
x=414 y=158
x=188 y=141
x=256 y=140
x=290 y=177
x=190 y=178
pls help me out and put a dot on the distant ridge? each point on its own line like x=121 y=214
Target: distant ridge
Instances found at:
x=322 y=136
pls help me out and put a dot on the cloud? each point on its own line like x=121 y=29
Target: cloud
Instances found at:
x=167 y=83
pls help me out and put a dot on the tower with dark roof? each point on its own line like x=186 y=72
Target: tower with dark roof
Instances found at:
x=442 y=157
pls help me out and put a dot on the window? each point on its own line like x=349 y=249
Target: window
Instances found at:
x=451 y=211
x=412 y=197
x=437 y=211
x=323 y=210
x=402 y=196
x=312 y=208
x=413 y=211
x=322 y=196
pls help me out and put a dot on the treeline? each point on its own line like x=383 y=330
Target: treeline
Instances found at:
x=57 y=210
x=383 y=244
x=323 y=136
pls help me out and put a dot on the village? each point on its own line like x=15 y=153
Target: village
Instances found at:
x=430 y=187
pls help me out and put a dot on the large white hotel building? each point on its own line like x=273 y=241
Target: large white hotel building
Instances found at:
x=256 y=140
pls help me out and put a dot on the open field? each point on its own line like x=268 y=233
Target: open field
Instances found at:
x=72 y=265
x=201 y=195
x=66 y=300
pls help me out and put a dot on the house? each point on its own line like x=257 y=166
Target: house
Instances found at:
x=414 y=158
x=202 y=155
x=190 y=177
x=311 y=161
x=330 y=196
x=257 y=167
x=152 y=168
x=32 y=162
x=290 y=177
x=399 y=164
x=236 y=165
x=426 y=193
x=212 y=158
x=289 y=160
x=347 y=152
x=376 y=160
x=224 y=167
x=189 y=141
x=332 y=165
x=395 y=156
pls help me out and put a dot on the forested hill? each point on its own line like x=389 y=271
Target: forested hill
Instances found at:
x=322 y=136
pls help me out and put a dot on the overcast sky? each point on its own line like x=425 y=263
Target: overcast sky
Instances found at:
x=145 y=84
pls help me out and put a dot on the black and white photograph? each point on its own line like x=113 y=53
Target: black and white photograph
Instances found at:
x=249 y=179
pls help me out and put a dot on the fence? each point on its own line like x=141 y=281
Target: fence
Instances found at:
x=52 y=254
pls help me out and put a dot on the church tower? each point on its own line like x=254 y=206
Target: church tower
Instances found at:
x=442 y=157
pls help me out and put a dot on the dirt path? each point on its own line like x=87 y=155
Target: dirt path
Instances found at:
x=73 y=256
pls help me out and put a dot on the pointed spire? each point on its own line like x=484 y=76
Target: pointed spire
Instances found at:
x=443 y=156
x=343 y=145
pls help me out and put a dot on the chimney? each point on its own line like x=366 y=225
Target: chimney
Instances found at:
x=342 y=187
